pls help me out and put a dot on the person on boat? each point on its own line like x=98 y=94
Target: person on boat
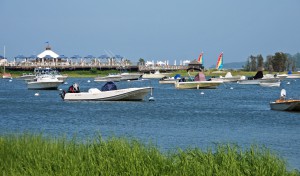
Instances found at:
x=74 y=88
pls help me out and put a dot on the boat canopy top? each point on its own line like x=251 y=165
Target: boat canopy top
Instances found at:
x=109 y=86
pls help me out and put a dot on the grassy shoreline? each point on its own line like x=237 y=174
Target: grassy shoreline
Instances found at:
x=27 y=154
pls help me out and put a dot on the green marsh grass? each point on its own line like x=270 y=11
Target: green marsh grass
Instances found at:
x=28 y=154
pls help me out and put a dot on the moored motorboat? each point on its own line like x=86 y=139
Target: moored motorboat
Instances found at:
x=169 y=80
x=199 y=82
x=108 y=92
x=110 y=77
x=130 y=76
x=285 y=105
x=260 y=78
x=155 y=75
x=44 y=82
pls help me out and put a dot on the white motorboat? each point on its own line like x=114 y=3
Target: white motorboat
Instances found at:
x=108 y=92
x=130 y=76
x=259 y=78
x=155 y=75
x=44 y=82
x=110 y=77
x=228 y=78
x=199 y=82
x=293 y=76
x=169 y=80
x=285 y=105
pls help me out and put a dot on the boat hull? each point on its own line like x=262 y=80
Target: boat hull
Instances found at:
x=130 y=94
x=130 y=76
x=155 y=76
x=44 y=85
x=108 y=78
x=258 y=81
x=288 y=105
x=198 y=84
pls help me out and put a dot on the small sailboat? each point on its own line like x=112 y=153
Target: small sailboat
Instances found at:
x=285 y=105
x=5 y=75
x=219 y=64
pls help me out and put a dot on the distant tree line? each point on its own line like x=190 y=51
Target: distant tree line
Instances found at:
x=279 y=62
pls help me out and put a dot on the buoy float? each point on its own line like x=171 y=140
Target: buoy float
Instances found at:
x=231 y=87
x=202 y=93
x=151 y=99
x=288 y=83
x=88 y=81
x=37 y=94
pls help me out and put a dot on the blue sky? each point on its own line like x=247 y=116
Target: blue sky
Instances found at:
x=152 y=30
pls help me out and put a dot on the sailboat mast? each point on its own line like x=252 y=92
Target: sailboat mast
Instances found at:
x=4 y=58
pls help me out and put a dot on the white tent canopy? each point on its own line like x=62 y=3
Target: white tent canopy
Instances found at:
x=48 y=52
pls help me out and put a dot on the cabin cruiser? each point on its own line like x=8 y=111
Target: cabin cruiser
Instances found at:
x=285 y=105
x=44 y=81
x=108 y=92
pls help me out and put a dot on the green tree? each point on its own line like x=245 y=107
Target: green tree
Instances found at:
x=279 y=62
x=253 y=64
x=260 y=61
x=141 y=61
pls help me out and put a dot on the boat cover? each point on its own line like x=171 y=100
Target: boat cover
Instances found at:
x=258 y=75
x=109 y=86
x=177 y=76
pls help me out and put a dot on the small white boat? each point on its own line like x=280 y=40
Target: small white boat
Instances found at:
x=130 y=76
x=270 y=84
x=155 y=75
x=46 y=82
x=110 y=77
x=260 y=78
x=285 y=105
x=108 y=92
x=169 y=80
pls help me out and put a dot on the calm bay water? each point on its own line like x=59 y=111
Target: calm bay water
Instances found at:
x=177 y=118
